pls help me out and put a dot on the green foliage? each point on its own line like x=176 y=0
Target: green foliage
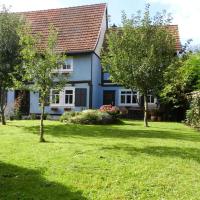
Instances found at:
x=66 y=116
x=88 y=117
x=193 y=114
x=181 y=77
x=138 y=53
x=33 y=116
x=41 y=60
x=10 y=58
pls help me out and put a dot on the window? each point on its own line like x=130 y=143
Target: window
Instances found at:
x=150 y=99
x=68 y=65
x=127 y=97
x=69 y=97
x=55 y=97
x=65 y=97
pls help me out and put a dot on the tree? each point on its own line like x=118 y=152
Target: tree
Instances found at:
x=181 y=78
x=40 y=64
x=138 y=53
x=10 y=57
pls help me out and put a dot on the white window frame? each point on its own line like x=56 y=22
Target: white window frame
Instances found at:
x=62 y=98
x=73 y=96
x=127 y=104
x=70 y=61
x=155 y=100
x=51 y=98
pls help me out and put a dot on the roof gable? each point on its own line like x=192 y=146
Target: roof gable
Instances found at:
x=173 y=30
x=78 y=27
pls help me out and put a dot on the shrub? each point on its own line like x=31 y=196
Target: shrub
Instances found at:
x=112 y=110
x=88 y=117
x=66 y=117
x=193 y=114
x=33 y=116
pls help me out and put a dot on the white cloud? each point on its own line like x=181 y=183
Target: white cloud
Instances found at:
x=186 y=14
x=28 y=5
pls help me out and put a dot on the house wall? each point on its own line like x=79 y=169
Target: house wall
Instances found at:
x=35 y=108
x=117 y=97
x=10 y=102
x=96 y=82
x=81 y=72
x=81 y=68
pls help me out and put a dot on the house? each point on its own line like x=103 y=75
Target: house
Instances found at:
x=81 y=33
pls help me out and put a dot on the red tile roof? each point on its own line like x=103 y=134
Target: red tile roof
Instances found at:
x=173 y=29
x=78 y=27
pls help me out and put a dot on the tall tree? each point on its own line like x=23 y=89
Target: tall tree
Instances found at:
x=40 y=64
x=138 y=53
x=9 y=55
x=181 y=78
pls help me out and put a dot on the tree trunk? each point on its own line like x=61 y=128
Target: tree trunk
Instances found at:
x=3 y=120
x=42 y=124
x=2 y=106
x=145 y=111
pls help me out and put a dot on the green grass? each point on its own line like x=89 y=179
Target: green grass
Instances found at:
x=99 y=162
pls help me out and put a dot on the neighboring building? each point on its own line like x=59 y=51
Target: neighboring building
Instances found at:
x=81 y=33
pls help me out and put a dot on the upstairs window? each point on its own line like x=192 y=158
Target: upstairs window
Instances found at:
x=127 y=97
x=67 y=66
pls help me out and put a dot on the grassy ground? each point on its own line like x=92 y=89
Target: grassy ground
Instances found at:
x=99 y=162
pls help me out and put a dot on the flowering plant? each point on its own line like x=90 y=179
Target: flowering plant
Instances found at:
x=112 y=110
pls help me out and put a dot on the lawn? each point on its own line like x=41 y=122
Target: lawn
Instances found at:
x=115 y=162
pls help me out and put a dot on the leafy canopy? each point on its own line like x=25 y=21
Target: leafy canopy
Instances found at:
x=138 y=53
x=10 y=48
x=181 y=78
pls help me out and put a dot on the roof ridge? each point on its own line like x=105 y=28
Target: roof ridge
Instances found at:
x=62 y=8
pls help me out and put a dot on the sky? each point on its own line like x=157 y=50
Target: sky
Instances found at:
x=186 y=13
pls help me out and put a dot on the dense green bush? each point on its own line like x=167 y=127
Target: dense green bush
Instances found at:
x=193 y=114
x=88 y=117
x=66 y=116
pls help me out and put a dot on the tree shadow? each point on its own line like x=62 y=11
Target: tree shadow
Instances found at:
x=117 y=131
x=21 y=183
x=160 y=151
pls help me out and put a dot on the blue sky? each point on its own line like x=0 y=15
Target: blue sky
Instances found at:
x=186 y=13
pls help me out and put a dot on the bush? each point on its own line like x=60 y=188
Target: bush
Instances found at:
x=88 y=117
x=112 y=110
x=66 y=117
x=193 y=114
x=33 y=116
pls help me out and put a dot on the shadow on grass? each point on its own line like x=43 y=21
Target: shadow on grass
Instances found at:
x=118 y=131
x=21 y=183
x=160 y=151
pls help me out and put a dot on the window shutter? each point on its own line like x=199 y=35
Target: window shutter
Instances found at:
x=81 y=97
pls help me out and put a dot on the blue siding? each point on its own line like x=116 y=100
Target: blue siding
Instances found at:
x=96 y=82
x=35 y=108
x=10 y=102
x=81 y=68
